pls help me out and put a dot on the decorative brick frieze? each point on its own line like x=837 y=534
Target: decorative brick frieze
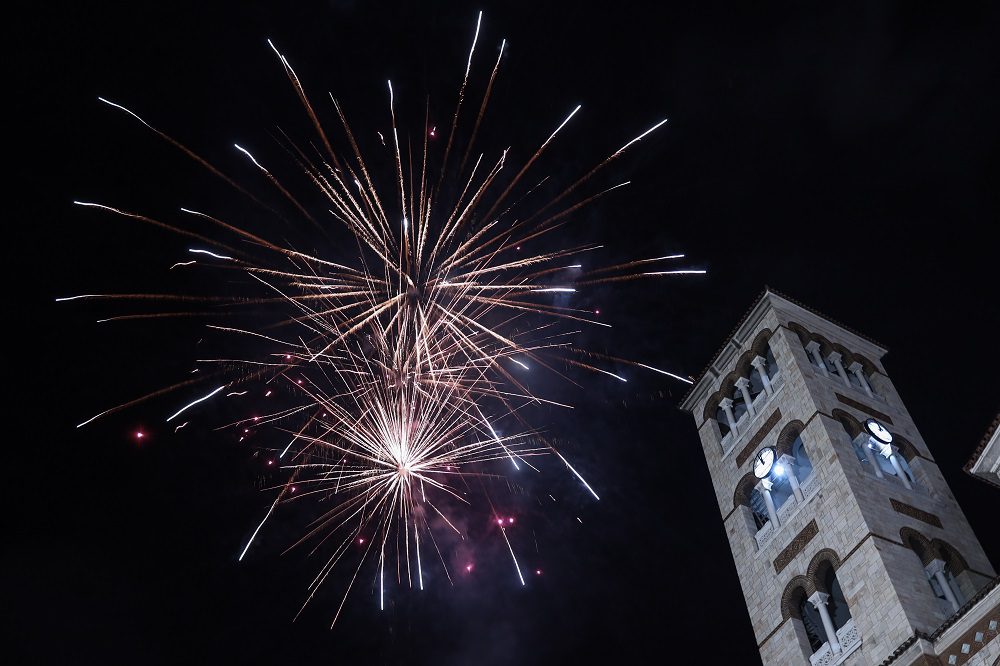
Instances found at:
x=796 y=546
x=862 y=407
x=758 y=437
x=914 y=512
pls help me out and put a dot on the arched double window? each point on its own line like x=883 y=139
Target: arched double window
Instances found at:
x=819 y=611
x=941 y=564
x=869 y=452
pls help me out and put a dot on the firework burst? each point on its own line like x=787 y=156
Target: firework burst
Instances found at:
x=401 y=357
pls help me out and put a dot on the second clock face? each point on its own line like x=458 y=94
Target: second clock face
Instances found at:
x=763 y=463
x=878 y=431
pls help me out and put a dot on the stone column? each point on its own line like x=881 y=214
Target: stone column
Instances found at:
x=834 y=358
x=864 y=441
x=894 y=459
x=765 y=489
x=936 y=569
x=727 y=407
x=760 y=363
x=743 y=384
x=787 y=463
x=818 y=600
x=813 y=349
x=859 y=373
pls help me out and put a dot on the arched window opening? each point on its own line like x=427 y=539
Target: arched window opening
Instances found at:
x=756 y=386
x=850 y=425
x=940 y=564
x=815 y=355
x=781 y=490
x=919 y=548
x=720 y=416
x=812 y=622
x=854 y=381
x=739 y=405
x=758 y=508
x=884 y=464
x=836 y=604
x=952 y=565
x=859 y=451
x=939 y=591
x=803 y=465
x=772 y=365
x=906 y=469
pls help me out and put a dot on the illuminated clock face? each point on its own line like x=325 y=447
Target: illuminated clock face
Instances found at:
x=763 y=462
x=878 y=431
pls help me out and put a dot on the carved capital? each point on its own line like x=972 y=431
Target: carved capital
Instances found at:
x=934 y=567
x=818 y=599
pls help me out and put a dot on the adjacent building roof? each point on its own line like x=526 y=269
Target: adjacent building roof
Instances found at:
x=978 y=466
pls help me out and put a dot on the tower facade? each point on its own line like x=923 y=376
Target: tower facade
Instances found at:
x=849 y=544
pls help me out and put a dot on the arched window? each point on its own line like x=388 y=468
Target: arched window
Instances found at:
x=812 y=622
x=720 y=416
x=940 y=564
x=859 y=451
x=850 y=424
x=756 y=383
x=781 y=489
x=739 y=405
x=949 y=580
x=836 y=604
x=885 y=464
x=772 y=365
x=906 y=469
x=803 y=465
x=954 y=564
x=758 y=508
x=854 y=381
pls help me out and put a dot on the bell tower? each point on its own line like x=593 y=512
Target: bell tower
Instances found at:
x=849 y=545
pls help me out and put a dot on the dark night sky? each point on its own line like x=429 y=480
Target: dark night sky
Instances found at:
x=846 y=155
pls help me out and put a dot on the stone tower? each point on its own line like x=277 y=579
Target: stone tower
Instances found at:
x=849 y=544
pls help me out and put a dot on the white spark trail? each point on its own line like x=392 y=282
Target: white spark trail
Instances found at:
x=131 y=113
x=664 y=372
x=74 y=298
x=211 y=254
x=195 y=402
x=572 y=469
x=475 y=38
x=252 y=158
x=254 y=535
x=640 y=137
